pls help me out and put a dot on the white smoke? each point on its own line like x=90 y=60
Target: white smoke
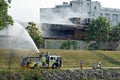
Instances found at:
x=60 y=15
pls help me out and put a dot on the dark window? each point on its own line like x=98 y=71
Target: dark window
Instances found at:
x=83 y=37
x=51 y=58
x=71 y=4
x=95 y=7
x=88 y=4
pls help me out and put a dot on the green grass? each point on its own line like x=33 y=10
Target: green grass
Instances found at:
x=70 y=58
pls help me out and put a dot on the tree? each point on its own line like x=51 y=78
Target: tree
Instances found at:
x=35 y=34
x=5 y=19
x=115 y=33
x=98 y=30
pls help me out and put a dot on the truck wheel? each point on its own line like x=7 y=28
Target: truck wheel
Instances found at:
x=54 y=66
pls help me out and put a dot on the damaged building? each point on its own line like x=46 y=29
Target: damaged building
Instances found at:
x=69 y=21
x=74 y=31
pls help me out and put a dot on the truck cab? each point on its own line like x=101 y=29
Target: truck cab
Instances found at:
x=55 y=61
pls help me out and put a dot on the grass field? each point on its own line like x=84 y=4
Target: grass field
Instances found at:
x=70 y=58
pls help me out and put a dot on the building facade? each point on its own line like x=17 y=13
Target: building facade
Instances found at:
x=70 y=20
x=82 y=9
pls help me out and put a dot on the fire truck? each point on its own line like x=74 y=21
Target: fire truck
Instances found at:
x=51 y=61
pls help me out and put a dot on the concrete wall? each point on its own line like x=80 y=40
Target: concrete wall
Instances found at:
x=82 y=45
x=56 y=44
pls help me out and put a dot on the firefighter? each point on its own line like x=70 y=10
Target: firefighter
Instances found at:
x=81 y=64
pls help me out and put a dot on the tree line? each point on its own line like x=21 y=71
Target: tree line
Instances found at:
x=5 y=19
x=100 y=30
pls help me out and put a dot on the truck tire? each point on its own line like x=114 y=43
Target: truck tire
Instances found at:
x=54 y=66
